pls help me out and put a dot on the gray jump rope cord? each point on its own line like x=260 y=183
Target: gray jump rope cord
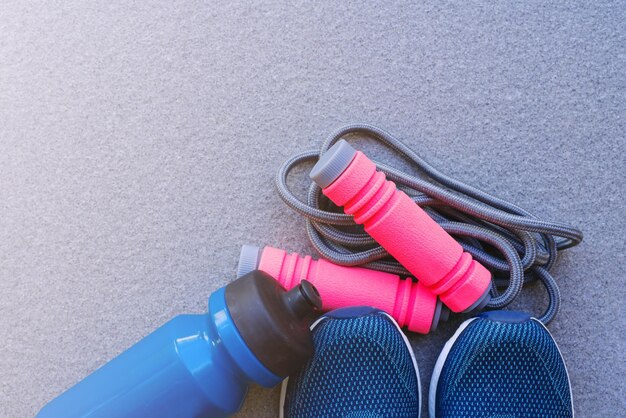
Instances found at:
x=525 y=246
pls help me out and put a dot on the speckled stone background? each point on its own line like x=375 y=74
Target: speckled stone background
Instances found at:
x=139 y=140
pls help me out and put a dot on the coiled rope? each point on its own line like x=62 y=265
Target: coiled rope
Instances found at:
x=515 y=245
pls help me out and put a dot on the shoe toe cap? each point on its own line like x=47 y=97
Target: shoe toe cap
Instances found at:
x=362 y=367
x=504 y=364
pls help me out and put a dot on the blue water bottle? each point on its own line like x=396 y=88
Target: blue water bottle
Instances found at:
x=201 y=365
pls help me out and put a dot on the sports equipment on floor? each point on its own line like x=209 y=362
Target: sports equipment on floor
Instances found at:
x=410 y=303
x=500 y=364
x=201 y=365
x=516 y=246
x=363 y=367
x=350 y=179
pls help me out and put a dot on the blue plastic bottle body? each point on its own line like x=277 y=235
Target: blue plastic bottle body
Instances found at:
x=193 y=366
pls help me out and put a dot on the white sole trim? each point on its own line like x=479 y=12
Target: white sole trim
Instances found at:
x=413 y=359
x=283 y=393
x=569 y=382
x=432 y=392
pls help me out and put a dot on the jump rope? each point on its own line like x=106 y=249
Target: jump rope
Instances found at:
x=358 y=213
x=518 y=247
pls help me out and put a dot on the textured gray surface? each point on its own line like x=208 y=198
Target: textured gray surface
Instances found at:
x=138 y=144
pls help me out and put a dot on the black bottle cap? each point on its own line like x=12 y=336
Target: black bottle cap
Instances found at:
x=273 y=322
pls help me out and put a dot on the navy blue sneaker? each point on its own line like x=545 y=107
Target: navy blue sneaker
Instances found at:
x=363 y=367
x=501 y=364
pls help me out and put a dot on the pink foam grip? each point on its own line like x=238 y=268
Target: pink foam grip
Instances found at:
x=409 y=234
x=411 y=304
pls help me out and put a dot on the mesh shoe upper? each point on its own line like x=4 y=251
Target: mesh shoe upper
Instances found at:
x=362 y=368
x=503 y=369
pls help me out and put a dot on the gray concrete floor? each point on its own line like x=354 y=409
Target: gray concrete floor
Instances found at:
x=138 y=144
